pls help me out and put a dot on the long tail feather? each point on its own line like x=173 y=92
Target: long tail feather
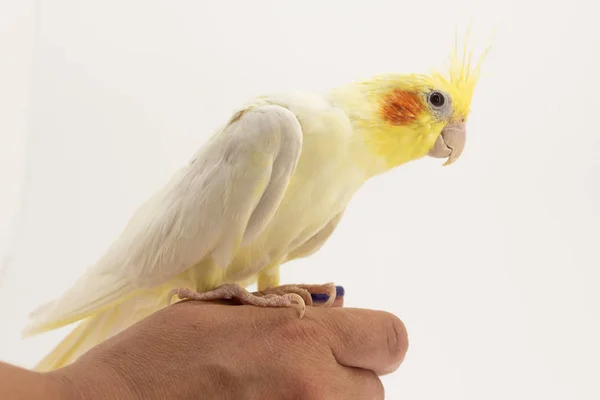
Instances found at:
x=82 y=301
x=100 y=326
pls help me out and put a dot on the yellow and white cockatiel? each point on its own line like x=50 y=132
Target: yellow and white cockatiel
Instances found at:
x=270 y=186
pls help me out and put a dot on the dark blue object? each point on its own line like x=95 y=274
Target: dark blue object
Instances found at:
x=322 y=297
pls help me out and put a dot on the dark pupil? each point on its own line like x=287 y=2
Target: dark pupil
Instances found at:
x=437 y=99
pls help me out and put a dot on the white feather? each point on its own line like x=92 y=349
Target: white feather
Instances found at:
x=227 y=195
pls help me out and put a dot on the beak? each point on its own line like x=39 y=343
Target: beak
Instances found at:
x=450 y=143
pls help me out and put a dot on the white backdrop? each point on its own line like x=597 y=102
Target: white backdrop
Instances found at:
x=501 y=300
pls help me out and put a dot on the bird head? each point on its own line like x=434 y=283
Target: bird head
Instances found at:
x=404 y=117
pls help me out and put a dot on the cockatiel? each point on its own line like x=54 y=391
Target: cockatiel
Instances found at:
x=268 y=187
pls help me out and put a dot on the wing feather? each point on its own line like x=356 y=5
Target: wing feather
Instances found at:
x=225 y=196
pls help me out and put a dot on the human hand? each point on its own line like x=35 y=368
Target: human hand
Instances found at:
x=219 y=351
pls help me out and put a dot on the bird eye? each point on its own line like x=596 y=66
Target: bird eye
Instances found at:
x=437 y=99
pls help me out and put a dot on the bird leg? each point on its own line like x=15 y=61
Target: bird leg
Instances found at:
x=296 y=296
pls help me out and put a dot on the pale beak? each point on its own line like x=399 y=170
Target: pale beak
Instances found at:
x=450 y=143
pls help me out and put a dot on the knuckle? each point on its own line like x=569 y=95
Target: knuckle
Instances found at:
x=344 y=330
x=299 y=330
x=302 y=339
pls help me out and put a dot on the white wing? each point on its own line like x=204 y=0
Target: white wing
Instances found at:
x=223 y=198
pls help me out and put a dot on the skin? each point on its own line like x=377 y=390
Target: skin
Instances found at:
x=196 y=350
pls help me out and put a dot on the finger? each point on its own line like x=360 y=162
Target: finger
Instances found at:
x=339 y=302
x=373 y=340
x=361 y=384
x=319 y=298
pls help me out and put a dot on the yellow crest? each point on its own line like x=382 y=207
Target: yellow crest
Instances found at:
x=461 y=77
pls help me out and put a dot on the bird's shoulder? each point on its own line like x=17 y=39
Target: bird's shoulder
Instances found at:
x=304 y=104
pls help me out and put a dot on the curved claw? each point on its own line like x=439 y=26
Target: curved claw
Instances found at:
x=296 y=301
x=282 y=290
x=331 y=295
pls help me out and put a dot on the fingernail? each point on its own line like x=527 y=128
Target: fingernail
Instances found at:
x=322 y=297
x=319 y=297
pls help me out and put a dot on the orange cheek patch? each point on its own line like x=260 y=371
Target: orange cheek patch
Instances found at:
x=401 y=107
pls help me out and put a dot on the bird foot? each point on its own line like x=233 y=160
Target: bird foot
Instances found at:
x=313 y=295
x=296 y=296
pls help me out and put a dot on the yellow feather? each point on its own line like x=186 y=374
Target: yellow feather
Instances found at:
x=395 y=144
x=461 y=79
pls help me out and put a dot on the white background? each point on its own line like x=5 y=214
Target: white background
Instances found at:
x=492 y=263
